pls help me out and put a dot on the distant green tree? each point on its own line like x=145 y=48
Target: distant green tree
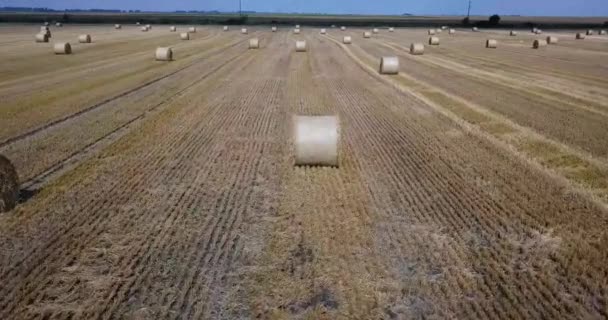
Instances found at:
x=494 y=20
x=466 y=21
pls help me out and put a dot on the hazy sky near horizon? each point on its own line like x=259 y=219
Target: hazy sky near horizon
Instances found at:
x=438 y=7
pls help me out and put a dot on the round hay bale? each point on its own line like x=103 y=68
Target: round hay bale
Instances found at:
x=172 y=29
x=254 y=43
x=539 y=43
x=417 y=49
x=589 y=32
x=431 y=32
x=149 y=26
x=438 y=31
x=300 y=46
x=192 y=30
x=452 y=31
x=434 y=41
x=444 y=27
x=9 y=185
x=226 y=28
x=42 y=37
x=316 y=140
x=389 y=65
x=347 y=40
x=59 y=24
x=602 y=32
x=391 y=29
x=367 y=34
x=513 y=33
x=343 y=28
x=539 y=31
x=44 y=29
x=117 y=26
x=164 y=54
x=533 y=30
x=552 y=40
x=475 y=29
x=46 y=24
x=580 y=36
x=144 y=29
x=184 y=36
x=491 y=43
x=296 y=31
x=323 y=31
x=375 y=30
x=244 y=31
x=274 y=29
x=62 y=48
x=297 y=26
x=84 y=38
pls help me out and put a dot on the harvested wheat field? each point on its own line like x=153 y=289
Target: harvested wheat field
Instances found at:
x=470 y=184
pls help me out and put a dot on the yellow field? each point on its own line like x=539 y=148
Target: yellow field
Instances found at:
x=474 y=184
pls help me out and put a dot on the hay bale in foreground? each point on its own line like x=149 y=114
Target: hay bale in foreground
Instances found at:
x=184 y=36
x=552 y=40
x=300 y=46
x=417 y=49
x=389 y=65
x=274 y=29
x=164 y=54
x=491 y=43
x=539 y=43
x=367 y=34
x=62 y=48
x=42 y=37
x=254 y=43
x=9 y=185
x=84 y=38
x=172 y=29
x=316 y=140
x=347 y=40
x=580 y=36
x=434 y=41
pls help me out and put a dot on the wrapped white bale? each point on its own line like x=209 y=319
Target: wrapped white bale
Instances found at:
x=539 y=43
x=172 y=29
x=552 y=40
x=296 y=31
x=367 y=34
x=192 y=30
x=42 y=37
x=144 y=29
x=513 y=33
x=323 y=31
x=580 y=36
x=452 y=31
x=491 y=43
x=589 y=32
x=226 y=28
x=375 y=30
x=164 y=54
x=274 y=29
x=343 y=28
x=391 y=29
x=417 y=49
x=347 y=40
x=254 y=43
x=389 y=65
x=434 y=41
x=84 y=38
x=244 y=30
x=431 y=32
x=9 y=185
x=62 y=48
x=300 y=46
x=316 y=140
x=184 y=36
x=117 y=26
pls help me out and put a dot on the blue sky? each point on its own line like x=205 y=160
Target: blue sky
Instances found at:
x=447 y=7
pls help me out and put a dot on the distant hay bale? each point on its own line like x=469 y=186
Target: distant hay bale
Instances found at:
x=9 y=185
x=533 y=30
x=323 y=31
x=58 y=24
x=300 y=46
x=244 y=31
x=475 y=29
x=138 y=23
x=192 y=30
x=431 y=32
x=149 y=26
x=117 y=26
x=62 y=48
x=172 y=29
x=164 y=54
x=274 y=29
x=438 y=31
x=42 y=37
x=491 y=43
x=452 y=31
x=144 y=29
x=343 y=28
x=513 y=33
x=297 y=26
x=375 y=31
x=539 y=43
x=552 y=40
x=296 y=31
x=46 y=24
x=444 y=27
x=367 y=34
x=602 y=32
x=434 y=41
x=84 y=38
x=254 y=43
x=347 y=40
x=580 y=36
x=389 y=65
x=589 y=32
x=391 y=29
x=417 y=49
x=539 y=31
x=226 y=28
x=184 y=36
x=316 y=140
